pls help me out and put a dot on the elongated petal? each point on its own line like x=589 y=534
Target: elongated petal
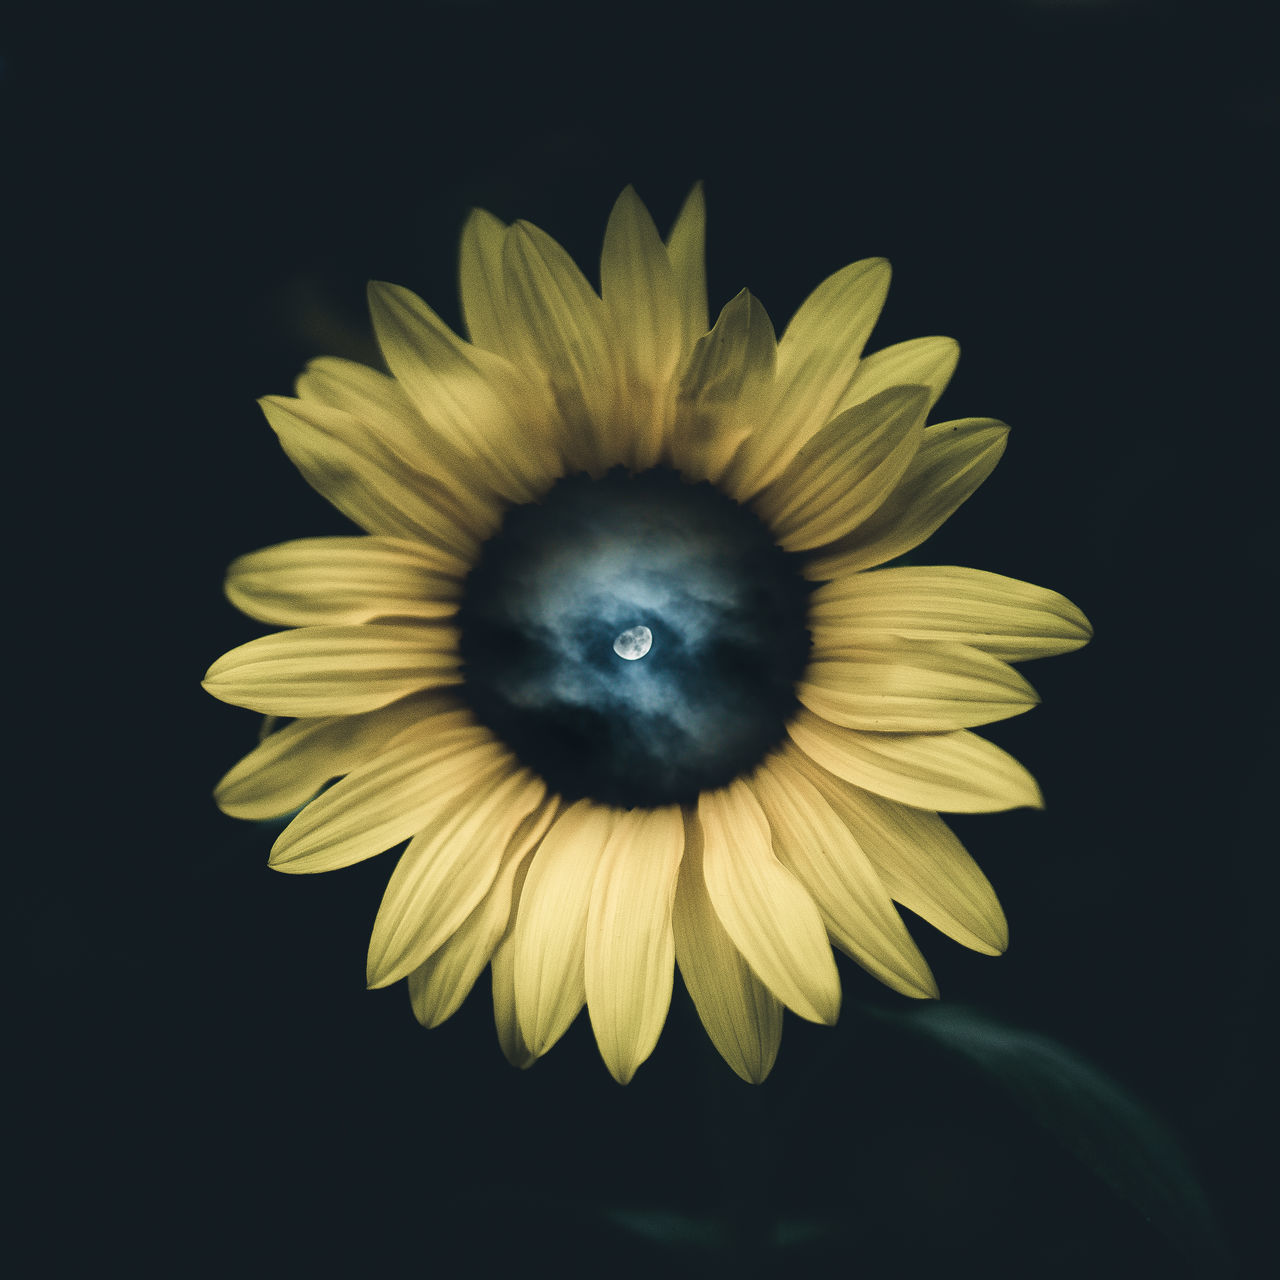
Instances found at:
x=909 y=686
x=919 y=859
x=823 y=853
x=335 y=671
x=447 y=869
x=845 y=472
x=290 y=765
x=510 y=1037
x=314 y=581
x=441 y=983
x=817 y=356
x=480 y=403
x=551 y=925
x=561 y=327
x=398 y=793
x=686 y=247
x=955 y=772
x=918 y=362
x=1002 y=616
x=765 y=910
x=722 y=385
x=382 y=407
x=374 y=397
x=953 y=460
x=741 y=1015
x=639 y=290
x=630 y=948
x=369 y=483
x=481 y=284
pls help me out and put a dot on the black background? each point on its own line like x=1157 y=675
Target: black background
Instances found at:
x=1078 y=192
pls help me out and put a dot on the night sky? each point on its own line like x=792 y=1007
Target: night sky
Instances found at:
x=1080 y=194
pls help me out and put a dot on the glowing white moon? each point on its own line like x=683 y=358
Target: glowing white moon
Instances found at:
x=633 y=643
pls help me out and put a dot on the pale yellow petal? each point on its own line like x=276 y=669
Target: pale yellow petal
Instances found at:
x=639 y=291
x=290 y=765
x=844 y=473
x=909 y=686
x=369 y=483
x=382 y=407
x=741 y=1015
x=409 y=785
x=442 y=982
x=510 y=1037
x=481 y=284
x=447 y=869
x=335 y=671
x=919 y=859
x=817 y=357
x=767 y=912
x=824 y=855
x=1002 y=616
x=551 y=924
x=686 y=246
x=630 y=947
x=955 y=772
x=953 y=460
x=918 y=362
x=561 y=328
x=368 y=394
x=317 y=581
x=721 y=389
x=487 y=410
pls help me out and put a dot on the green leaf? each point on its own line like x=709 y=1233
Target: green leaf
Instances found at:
x=1113 y=1134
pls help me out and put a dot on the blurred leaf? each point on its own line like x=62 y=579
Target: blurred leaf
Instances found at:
x=1114 y=1135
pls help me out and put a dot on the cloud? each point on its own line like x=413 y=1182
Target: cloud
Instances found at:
x=541 y=619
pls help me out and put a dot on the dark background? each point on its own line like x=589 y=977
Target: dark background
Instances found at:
x=1078 y=192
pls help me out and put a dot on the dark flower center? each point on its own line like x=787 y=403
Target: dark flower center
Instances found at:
x=634 y=639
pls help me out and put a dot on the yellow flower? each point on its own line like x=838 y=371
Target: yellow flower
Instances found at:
x=614 y=655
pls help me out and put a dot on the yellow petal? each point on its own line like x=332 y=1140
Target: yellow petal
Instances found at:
x=562 y=329
x=919 y=859
x=289 y=766
x=722 y=385
x=817 y=357
x=836 y=480
x=741 y=1015
x=955 y=772
x=639 y=291
x=481 y=284
x=314 y=581
x=335 y=671
x=765 y=910
x=510 y=1038
x=489 y=413
x=630 y=948
x=447 y=869
x=823 y=853
x=919 y=362
x=953 y=460
x=379 y=402
x=551 y=924
x=686 y=247
x=1002 y=616
x=369 y=483
x=909 y=686
x=401 y=791
x=441 y=983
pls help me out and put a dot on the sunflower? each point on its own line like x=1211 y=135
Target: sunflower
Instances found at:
x=615 y=654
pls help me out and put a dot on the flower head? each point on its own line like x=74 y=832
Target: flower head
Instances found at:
x=614 y=653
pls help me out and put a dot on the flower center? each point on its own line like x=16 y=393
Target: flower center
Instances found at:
x=634 y=639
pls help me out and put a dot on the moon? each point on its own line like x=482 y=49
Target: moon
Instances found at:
x=633 y=643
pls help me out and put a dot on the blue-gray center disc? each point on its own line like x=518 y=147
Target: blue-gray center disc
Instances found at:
x=635 y=639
